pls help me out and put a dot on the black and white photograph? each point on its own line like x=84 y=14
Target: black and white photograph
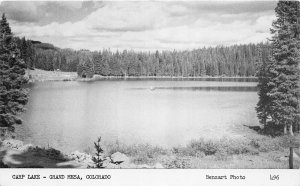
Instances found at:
x=149 y=85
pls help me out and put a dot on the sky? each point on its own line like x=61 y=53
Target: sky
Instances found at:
x=141 y=25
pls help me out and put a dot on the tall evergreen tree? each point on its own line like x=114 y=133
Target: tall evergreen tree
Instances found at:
x=283 y=70
x=13 y=96
x=263 y=105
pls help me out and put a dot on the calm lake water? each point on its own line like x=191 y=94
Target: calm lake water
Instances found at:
x=71 y=115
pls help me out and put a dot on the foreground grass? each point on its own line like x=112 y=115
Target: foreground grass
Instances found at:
x=252 y=152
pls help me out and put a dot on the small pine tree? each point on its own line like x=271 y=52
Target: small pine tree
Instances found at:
x=98 y=159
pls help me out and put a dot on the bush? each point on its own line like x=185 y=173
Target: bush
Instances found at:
x=238 y=147
x=188 y=151
x=224 y=147
x=267 y=144
x=179 y=163
x=2 y=165
x=141 y=154
x=145 y=153
x=49 y=153
x=207 y=147
x=221 y=155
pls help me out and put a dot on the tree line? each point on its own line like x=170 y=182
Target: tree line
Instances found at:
x=229 y=61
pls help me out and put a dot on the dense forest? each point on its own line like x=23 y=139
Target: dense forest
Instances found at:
x=236 y=60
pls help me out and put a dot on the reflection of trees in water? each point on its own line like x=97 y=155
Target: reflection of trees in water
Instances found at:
x=214 y=88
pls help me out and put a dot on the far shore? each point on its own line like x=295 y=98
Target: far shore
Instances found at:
x=38 y=75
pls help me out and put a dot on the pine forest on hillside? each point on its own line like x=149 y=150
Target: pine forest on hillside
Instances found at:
x=228 y=61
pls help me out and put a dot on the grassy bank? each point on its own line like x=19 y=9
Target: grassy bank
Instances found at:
x=252 y=152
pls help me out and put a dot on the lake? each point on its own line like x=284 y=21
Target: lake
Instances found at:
x=71 y=115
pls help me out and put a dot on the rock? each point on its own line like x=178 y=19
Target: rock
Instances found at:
x=26 y=147
x=87 y=159
x=118 y=158
x=83 y=159
x=88 y=163
x=12 y=143
x=158 y=166
x=76 y=155
x=106 y=162
x=79 y=156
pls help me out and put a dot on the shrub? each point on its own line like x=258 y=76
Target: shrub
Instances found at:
x=188 y=151
x=50 y=153
x=221 y=155
x=179 y=163
x=207 y=147
x=267 y=144
x=238 y=147
x=145 y=153
x=2 y=165
x=141 y=154
x=201 y=148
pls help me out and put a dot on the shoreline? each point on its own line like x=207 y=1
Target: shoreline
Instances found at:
x=254 y=152
x=15 y=154
x=38 y=75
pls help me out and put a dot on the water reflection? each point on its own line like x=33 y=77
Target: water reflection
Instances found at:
x=209 y=88
x=220 y=79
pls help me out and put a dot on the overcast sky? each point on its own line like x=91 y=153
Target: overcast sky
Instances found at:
x=141 y=25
